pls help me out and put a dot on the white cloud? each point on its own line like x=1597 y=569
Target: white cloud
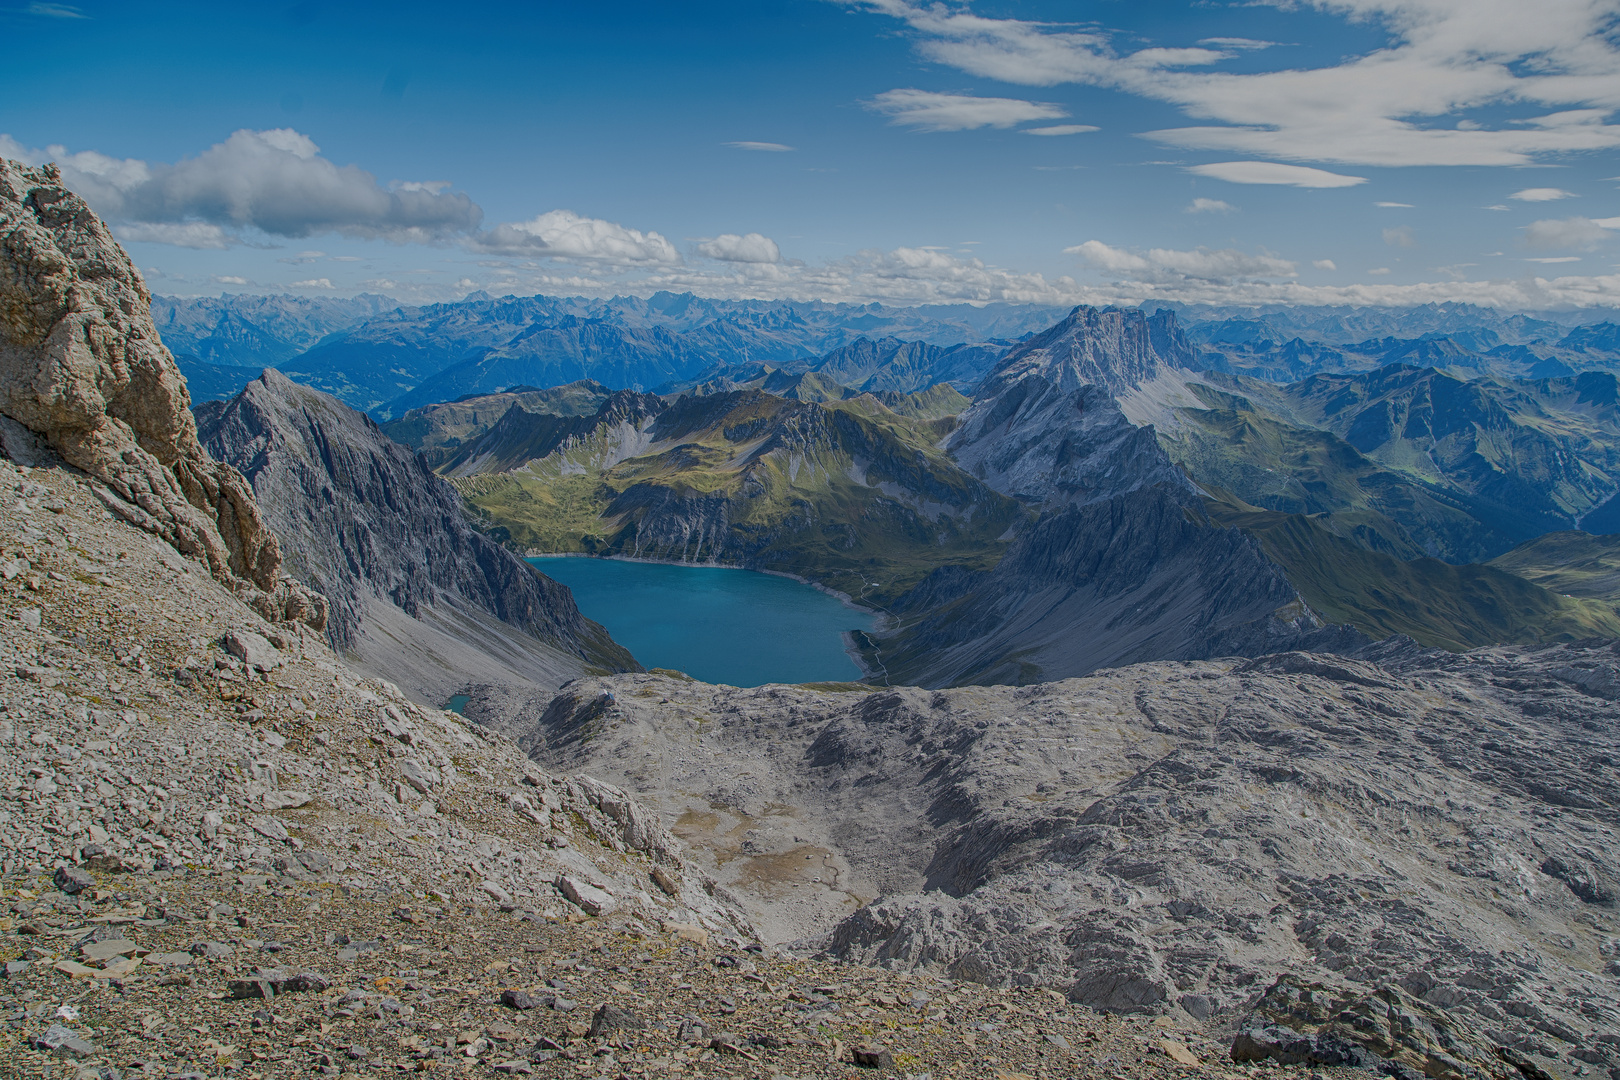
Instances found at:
x=1162 y=264
x=1378 y=271
x=231 y=279
x=766 y=147
x=1395 y=205
x=1556 y=259
x=1442 y=60
x=563 y=234
x=1270 y=172
x=930 y=111
x=1324 y=264
x=1542 y=194
x=272 y=181
x=1400 y=236
x=751 y=248
x=1209 y=206
x=1062 y=129
x=1574 y=232
x=312 y=283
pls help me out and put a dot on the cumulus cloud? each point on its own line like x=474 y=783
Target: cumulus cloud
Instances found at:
x=1542 y=194
x=1386 y=106
x=1209 y=206
x=273 y=181
x=926 y=110
x=1574 y=232
x=1162 y=264
x=1062 y=129
x=563 y=234
x=312 y=283
x=1400 y=236
x=750 y=248
x=766 y=147
x=1271 y=172
x=1324 y=264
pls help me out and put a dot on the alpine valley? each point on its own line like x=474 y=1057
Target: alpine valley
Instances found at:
x=1242 y=688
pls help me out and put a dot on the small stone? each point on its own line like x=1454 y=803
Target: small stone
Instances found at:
x=1179 y=1053
x=60 y=1040
x=610 y=1019
x=106 y=950
x=72 y=880
x=589 y=898
x=285 y=800
x=666 y=881
x=873 y=1057
x=16 y=968
x=517 y=999
x=252 y=649
x=687 y=932
x=500 y=895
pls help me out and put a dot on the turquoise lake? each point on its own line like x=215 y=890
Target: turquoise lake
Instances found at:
x=736 y=627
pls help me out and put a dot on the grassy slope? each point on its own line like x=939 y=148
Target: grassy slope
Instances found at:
x=1235 y=447
x=1573 y=563
x=1452 y=607
x=790 y=478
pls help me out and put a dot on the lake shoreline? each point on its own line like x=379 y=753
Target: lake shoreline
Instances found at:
x=842 y=597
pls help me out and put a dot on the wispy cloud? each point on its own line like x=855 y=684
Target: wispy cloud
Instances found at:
x=1062 y=129
x=1574 y=232
x=1400 y=236
x=1394 y=205
x=1271 y=172
x=54 y=11
x=1382 y=107
x=1209 y=206
x=765 y=147
x=926 y=110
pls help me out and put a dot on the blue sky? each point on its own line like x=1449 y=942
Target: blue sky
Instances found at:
x=1372 y=151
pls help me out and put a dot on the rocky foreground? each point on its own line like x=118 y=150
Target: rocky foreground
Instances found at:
x=1415 y=849
x=224 y=853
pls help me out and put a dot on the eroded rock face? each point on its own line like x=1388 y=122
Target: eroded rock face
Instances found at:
x=83 y=370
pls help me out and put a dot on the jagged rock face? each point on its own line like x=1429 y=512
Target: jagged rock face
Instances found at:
x=365 y=521
x=1142 y=576
x=83 y=369
x=1170 y=838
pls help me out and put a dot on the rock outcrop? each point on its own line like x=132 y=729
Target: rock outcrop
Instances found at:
x=84 y=375
x=417 y=595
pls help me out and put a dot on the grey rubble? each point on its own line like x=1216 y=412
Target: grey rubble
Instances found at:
x=417 y=596
x=1165 y=838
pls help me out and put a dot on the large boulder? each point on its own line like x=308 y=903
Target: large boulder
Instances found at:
x=82 y=371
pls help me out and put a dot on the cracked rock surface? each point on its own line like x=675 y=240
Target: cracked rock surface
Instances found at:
x=1172 y=838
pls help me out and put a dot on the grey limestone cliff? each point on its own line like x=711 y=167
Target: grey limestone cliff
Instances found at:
x=84 y=376
x=417 y=595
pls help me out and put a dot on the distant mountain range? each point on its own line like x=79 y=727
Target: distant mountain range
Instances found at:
x=386 y=358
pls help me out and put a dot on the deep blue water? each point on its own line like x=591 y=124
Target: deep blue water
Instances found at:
x=735 y=627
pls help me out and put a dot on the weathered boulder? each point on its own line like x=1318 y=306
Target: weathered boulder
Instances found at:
x=83 y=371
